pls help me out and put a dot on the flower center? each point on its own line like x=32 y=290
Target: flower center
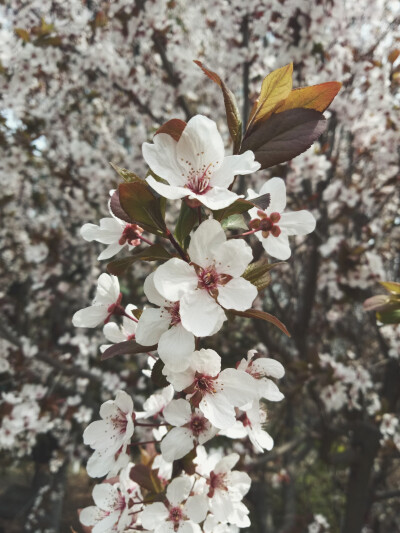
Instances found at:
x=175 y=515
x=115 y=309
x=197 y=425
x=208 y=278
x=120 y=422
x=199 y=181
x=131 y=235
x=267 y=224
x=216 y=481
x=173 y=310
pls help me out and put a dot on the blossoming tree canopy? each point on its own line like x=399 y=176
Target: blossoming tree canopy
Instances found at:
x=207 y=276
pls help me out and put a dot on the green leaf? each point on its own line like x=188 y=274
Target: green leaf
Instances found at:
x=126 y=348
x=389 y=317
x=22 y=34
x=157 y=377
x=143 y=208
x=258 y=273
x=284 y=136
x=234 y=222
x=391 y=286
x=231 y=109
x=262 y=315
x=186 y=221
x=151 y=253
x=127 y=175
x=242 y=206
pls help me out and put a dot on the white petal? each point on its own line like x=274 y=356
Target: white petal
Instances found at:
x=232 y=257
x=179 y=380
x=124 y=402
x=277 y=189
x=217 y=198
x=99 y=464
x=208 y=433
x=234 y=165
x=179 y=489
x=109 y=231
x=276 y=246
x=113 y=333
x=151 y=292
x=187 y=527
x=261 y=439
x=269 y=390
x=200 y=314
x=269 y=367
x=196 y=508
x=161 y=158
x=227 y=463
x=175 y=278
x=107 y=523
x=239 y=387
x=90 y=317
x=175 y=346
x=208 y=235
x=110 y=251
x=107 y=289
x=178 y=412
x=237 y=294
x=200 y=145
x=104 y=496
x=297 y=222
x=90 y=515
x=167 y=191
x=153 y=515
x=152 y=324
x=206 y=361
x=176 y=444
x=218 y=410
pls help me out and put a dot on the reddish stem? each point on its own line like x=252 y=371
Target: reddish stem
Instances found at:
x=244 y=234
x=145 y=240
x=177 y=247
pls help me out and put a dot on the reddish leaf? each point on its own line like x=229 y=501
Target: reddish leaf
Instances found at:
x=284 y=136
x=317 y=97
x=262 y=315
x=116 y=208
x=173 y=127
x=147 y=478
x=127 y=175
x=151 y=253
x=275 y=89
x=143 y=208
x=157 y=377
x=231 y=109
x=126 y=348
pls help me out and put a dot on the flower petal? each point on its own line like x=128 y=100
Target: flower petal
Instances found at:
x=218 y=410
x=179 y=489
x=239 y=387
x=176 y=444
x=175 y=346
x=109 y=231
x=276 y=246
x=200 y=145
x=178 y=412
x=237 y=294
x=297 y=222
x=196 y=508
x=175 y=278
x=217 y=198
x=206 y=361
x=232 y=257
x=269 y=367
x=113 y=333
x=110 y=251
x=234 y=165
x=152 y=324
x=200 y=314
x=277 y=189
x=167 y=191
x=151 y=292
x=208 y=235
x=90 y=317
x=161 y=158
x=107 y=290
x=153 y=515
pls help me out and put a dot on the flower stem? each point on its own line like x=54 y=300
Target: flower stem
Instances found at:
x=244 y=234
x=200 y=215
x=143 y=442
x=145 y=240
x=176 y=246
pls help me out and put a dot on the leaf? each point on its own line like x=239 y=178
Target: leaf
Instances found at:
x=147 y=478
x=127 y=175
x=258 y=273
x=143 y=208
x=262 y=202
x=231 y=109
x=173 y=127
x=275 y=89
x=22 y=34
x=186 y=221
x=389 y=317
x=116 y=208
x=157 y=377
x=391 y=286
x=284 y=136
x=240 y=206
x=317 y=97
x=156 y=252
x=393 y=55
x=262 y=315
x=126 y=348
x=380 y=301
x=234 y=222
